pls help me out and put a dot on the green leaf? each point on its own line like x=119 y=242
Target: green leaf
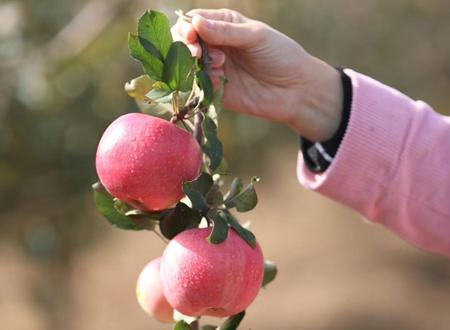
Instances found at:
x=105 y=204
x=246 y=234
x=220 y=229
x=107 y=207
x=121 y=206
x=138 y=87
x=160 y=95
x=209 y=327
x=206 y=85
x=198 y=201
x=246 y=199
x=154 y=28
x=211 y=113
x=270 y=272
x=222 y=169
x=232 y=322
x=202 y=184
x=149 y=47
x=182 y=325
x=162 y=110
x=138 y=213
x=147 y=221
x=161 y=85
x=152 y=65
x=143 y=219
x=178 y=67
x=235 y=188
x=196 y=191
x=178 y=220
x=214 y=196
x=218 y=96
x=213 y=147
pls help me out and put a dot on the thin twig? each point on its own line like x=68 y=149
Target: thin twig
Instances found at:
x=185 y=126
x=190 y=125
x=181 y=114
x=198 y=133
x=183 y=16
x=206 y=61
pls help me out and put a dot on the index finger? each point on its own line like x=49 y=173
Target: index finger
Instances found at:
x=223 y=14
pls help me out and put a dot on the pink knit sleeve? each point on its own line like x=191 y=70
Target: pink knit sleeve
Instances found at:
x=393 y=165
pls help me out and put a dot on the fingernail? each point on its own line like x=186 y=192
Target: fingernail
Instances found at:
x=217 y=56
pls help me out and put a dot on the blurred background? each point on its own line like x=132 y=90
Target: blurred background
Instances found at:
x=63 y=64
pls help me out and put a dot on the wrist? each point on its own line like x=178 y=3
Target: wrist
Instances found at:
x=317 y=111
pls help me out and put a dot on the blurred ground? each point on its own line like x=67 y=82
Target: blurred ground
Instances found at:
x=63 y=64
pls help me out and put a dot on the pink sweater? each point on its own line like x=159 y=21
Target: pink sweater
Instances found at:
x=393 y=165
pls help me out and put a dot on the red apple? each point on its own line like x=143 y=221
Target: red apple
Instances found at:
x=200 y=278
x=150 y=294
x=144 y=160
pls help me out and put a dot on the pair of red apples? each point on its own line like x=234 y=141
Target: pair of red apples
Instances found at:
x=144 y=161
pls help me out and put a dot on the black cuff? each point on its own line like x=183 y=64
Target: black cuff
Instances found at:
x=318 y=156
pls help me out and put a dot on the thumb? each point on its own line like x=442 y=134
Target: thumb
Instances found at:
x=221 y=33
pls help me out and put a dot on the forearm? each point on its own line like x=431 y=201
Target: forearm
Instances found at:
x=317 y=105
x=392 y=165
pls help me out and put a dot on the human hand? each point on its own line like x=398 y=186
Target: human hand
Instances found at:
x=270 y=75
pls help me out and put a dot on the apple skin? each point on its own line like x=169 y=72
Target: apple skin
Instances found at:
x=144 y=160
x=150 y=294
x=200 y=278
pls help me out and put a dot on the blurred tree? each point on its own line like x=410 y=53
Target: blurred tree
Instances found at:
x=62 y=69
